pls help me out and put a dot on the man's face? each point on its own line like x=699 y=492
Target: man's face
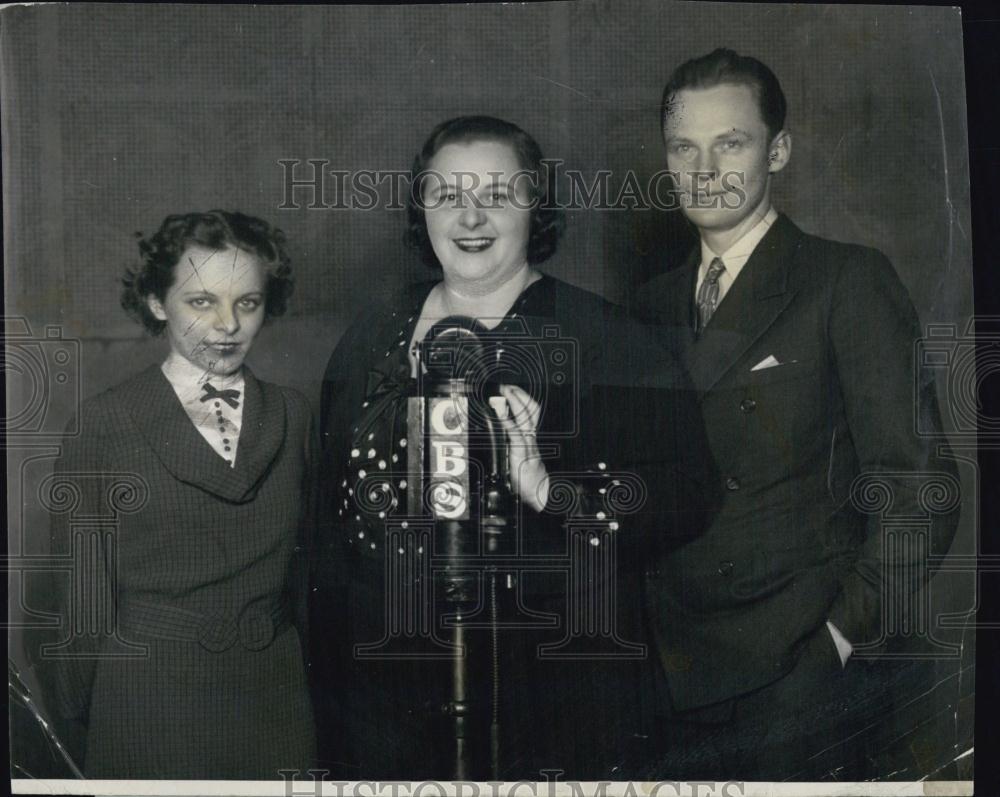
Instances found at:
x=718 y=145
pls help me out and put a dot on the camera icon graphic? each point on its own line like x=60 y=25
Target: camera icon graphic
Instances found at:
x=962 y=361
x=42 y=373
x=546 y=364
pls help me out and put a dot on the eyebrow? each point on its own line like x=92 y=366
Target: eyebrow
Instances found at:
x=189 y=294
x=451 y=186
x=734 y=132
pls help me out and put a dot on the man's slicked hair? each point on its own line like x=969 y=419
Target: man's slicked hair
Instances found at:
x=726 y=67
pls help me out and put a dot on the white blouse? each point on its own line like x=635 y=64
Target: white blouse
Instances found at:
x=213 y=415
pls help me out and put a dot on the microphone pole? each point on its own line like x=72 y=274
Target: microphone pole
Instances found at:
x=468 y=494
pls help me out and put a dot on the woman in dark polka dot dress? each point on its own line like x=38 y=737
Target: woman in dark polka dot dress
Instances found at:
x=574 y=431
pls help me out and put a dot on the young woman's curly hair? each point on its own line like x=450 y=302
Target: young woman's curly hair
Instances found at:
x=218 y=230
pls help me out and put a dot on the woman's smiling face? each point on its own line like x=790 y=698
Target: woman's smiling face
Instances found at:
x=478 y=212
x=214 y=308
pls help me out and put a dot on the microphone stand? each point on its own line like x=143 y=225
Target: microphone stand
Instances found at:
x=497 y=538
x=473 y=707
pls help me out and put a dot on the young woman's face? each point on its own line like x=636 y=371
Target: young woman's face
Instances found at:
x=215 y=307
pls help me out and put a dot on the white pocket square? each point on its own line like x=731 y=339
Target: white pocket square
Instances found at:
x=768 y=362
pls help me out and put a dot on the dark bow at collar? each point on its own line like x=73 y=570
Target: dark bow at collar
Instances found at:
x=230 y=396
x=162 y=420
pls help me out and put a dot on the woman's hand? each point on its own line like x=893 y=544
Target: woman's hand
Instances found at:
x=528 y=476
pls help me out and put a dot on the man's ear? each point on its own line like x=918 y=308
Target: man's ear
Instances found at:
x=779 y=152
x=156 y=308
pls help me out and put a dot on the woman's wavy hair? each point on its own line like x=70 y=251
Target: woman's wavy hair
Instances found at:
x=218 y=230
x=547 y=220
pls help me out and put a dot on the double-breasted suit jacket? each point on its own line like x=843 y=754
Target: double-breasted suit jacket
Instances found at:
x=204 y=577
x=788 y=548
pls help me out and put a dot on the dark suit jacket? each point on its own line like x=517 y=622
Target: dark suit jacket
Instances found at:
x=788 y=549
x=196 y=672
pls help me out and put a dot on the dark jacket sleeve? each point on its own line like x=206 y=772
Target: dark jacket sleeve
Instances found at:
x=342 y=382
x=301 y=563
x=641 y=457
x=330 y=637
x=873 y=329
x=76 y=488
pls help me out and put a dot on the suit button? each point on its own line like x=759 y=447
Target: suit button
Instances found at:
x=732 y=483
x=725 y=568
x=748 y=405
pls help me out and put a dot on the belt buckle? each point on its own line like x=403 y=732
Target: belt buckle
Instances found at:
x=217 y=633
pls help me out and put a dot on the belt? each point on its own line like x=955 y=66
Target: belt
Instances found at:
x=216 y=631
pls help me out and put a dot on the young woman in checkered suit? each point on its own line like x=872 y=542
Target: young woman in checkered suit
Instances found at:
x=183 y=657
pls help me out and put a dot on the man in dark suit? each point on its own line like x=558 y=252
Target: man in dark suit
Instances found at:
x=802 y=353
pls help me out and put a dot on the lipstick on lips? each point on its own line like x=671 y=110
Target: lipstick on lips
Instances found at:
x=473 y=245
x=225 y=349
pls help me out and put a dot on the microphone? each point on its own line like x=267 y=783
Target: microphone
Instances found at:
x=463 y=457
x=462 y=401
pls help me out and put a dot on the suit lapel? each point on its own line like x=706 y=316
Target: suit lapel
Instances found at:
x=758 y=296
x=685 y=313
x=160 y=418
x=681 y=314
x=263 y=431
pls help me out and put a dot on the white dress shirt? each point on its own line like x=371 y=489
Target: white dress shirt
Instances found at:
x=216 y=421
x=735 y=257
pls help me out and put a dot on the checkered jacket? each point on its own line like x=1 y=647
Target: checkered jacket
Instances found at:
x=181 y=651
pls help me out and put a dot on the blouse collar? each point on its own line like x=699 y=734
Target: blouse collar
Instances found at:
x=162 y=420
x=187 y=378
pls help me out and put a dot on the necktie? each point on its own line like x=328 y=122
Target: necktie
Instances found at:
x=229 y=396
x=708 y=293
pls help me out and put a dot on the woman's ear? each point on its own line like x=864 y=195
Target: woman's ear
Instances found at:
x=156 y=308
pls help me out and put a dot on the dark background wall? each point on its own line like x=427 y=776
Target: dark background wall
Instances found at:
x=115 y=116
